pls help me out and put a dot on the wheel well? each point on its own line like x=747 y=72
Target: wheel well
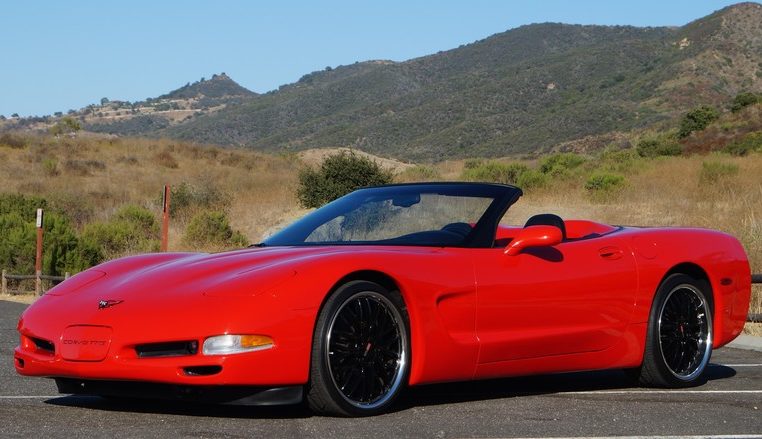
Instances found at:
x=693 y=270
x=378 y=277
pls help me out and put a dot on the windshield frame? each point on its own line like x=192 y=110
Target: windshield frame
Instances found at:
x=482 y=235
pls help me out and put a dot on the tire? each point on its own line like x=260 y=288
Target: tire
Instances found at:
x=360 y=351
x=679 y=339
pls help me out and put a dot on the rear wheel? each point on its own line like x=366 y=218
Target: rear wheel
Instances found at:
x=360 y=351
x=679 y=339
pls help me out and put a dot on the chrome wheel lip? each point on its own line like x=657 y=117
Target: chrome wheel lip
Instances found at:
x=401 y=362
x=706 y=340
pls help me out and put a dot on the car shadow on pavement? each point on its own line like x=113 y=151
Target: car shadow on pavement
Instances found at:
x=449 y=393
x=432 y=394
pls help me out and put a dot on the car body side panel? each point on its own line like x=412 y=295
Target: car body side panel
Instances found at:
x=575 y=297
x=720 y=256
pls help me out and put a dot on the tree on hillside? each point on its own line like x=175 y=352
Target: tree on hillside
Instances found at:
x=744 y=100
x=104 y=101
x=697 y=119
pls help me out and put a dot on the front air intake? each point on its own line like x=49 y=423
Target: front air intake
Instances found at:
x=43 y=345
x=167 y=349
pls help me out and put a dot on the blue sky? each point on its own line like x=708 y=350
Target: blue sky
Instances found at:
x=57 y=55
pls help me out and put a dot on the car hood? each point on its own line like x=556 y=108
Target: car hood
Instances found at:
x=175 y=274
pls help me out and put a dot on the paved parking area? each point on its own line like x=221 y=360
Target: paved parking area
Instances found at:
x=569 y=405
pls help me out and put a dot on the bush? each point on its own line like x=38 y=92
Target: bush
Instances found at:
x=12 y=141
x=713 y=172
x=494 y=171
x=619 y=160
x=17 y=243
x=132 y=229
x=50 y=167
x=559 y=165
x=604 y=182
x=532 y=179
x=743 y=100
x=24 y=206
x=67 y=125
x=658 y=146
x=338 y=175
x=749 y=143
x=83 y=168
x=211 y=229
x=697 y=119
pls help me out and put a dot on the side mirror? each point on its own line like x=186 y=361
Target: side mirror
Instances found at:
x=534 y=236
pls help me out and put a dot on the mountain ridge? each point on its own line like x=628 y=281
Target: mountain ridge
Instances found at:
x=525 y=90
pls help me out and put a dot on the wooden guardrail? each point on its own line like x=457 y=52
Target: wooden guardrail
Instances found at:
x=38 y=278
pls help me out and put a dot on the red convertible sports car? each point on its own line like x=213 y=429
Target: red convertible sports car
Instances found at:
x=389 y=287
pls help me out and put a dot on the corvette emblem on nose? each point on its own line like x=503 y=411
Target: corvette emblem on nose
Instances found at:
x=107 y=303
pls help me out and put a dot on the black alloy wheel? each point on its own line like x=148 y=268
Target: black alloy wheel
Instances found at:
x=679 y=340
x=361 y=353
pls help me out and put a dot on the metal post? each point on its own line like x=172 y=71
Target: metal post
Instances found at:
x=4 y=287
x=38 y=257
x=165 y=219
x=67 y=275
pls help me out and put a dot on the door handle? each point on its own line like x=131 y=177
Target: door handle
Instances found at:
x=611 y=253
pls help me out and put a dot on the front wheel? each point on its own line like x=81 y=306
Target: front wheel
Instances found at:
x=679 y=339
x=360 y=351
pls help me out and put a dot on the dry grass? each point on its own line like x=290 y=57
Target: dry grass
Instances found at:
x=108 y=173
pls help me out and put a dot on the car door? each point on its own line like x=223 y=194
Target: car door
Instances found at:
x=575 y=297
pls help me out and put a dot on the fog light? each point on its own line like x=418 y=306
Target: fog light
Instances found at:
x=234 y=344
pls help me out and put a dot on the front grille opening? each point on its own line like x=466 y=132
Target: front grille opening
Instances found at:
x=202 y=370
x=167 y=349
x=20 y=362
x=44 y=345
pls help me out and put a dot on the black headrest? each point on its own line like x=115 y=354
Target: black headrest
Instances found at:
x=547 y=219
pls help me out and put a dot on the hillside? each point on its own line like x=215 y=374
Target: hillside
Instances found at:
x=534 y=89
x=524 y=90
x=125 y=118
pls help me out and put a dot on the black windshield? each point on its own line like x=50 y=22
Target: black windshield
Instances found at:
x=431 y=214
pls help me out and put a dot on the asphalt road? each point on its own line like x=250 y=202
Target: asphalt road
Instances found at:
x=580 y=404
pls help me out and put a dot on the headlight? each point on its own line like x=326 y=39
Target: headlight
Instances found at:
x=234 y=344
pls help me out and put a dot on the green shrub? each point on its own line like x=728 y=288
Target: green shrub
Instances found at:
x=338 y=175
x=532 y=179
x=211 y=229
x=17 y=243
x=618 y=160
x=743 y=100
x=749 y=143
x=604 y=182
x=131 y=230
x=713 y=172
x=658 y=146
x=25 y=206
x=559 y=165
x=495 y=172
x=697 y=119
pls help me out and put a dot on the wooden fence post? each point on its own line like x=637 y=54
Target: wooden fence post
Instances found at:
x=4 y=288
